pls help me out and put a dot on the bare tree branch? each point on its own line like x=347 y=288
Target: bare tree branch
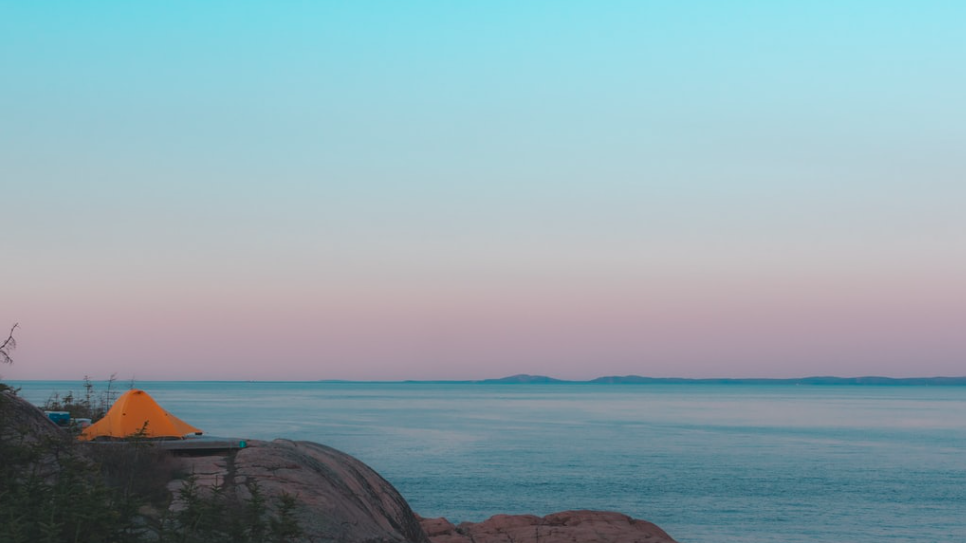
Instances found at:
x=8 y=345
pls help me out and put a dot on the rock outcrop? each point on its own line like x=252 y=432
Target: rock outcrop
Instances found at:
x=22 y=419
x=340 y=499
x=564 y=527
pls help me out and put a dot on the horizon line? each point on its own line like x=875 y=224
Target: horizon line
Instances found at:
x=524 y=378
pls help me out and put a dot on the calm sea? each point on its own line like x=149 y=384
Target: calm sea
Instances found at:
x=708 y=463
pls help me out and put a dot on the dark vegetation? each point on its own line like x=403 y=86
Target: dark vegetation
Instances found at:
x=8 y=345
x=54 y=489
x=90 y=404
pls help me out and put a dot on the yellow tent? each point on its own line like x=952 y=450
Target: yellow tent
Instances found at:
x=131 y=413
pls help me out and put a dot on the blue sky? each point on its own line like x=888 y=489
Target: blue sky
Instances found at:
x=455 y=190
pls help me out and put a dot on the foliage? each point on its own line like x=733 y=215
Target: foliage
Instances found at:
x=8 y=345
x=284 y=525
x=217 y=515
x=92 y=404
x=138 y=470
x=55 y=489
x=50 y=492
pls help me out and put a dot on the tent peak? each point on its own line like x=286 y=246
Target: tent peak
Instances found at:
x=135 y=413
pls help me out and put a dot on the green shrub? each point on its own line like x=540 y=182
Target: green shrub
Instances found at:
x=91 y=404
x=55 y=489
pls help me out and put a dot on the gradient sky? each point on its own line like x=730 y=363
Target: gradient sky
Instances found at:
x=456 y=190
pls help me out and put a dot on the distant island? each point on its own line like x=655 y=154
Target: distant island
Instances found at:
x=823 y=380
x=526 y=379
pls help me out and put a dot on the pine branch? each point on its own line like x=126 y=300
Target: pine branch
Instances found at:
x=8 y=345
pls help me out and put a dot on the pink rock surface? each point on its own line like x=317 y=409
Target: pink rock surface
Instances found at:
x=563 y=527
x=339 y=498
x=23 y=420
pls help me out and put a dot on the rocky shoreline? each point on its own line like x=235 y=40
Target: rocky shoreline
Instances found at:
x=566 y=526
x=340 y=499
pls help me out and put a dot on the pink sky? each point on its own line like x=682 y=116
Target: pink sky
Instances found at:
x=572 y=331
x=329 y=191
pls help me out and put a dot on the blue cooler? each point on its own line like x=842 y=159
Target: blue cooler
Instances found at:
x=60 y=418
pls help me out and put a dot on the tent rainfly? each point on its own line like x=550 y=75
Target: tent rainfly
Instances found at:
x=133 y=413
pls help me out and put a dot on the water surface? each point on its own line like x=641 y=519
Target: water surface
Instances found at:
x=708 y=463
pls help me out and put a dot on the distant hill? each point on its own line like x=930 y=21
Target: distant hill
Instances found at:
x=819 y=380
x=824 y=380
x=523 y=378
